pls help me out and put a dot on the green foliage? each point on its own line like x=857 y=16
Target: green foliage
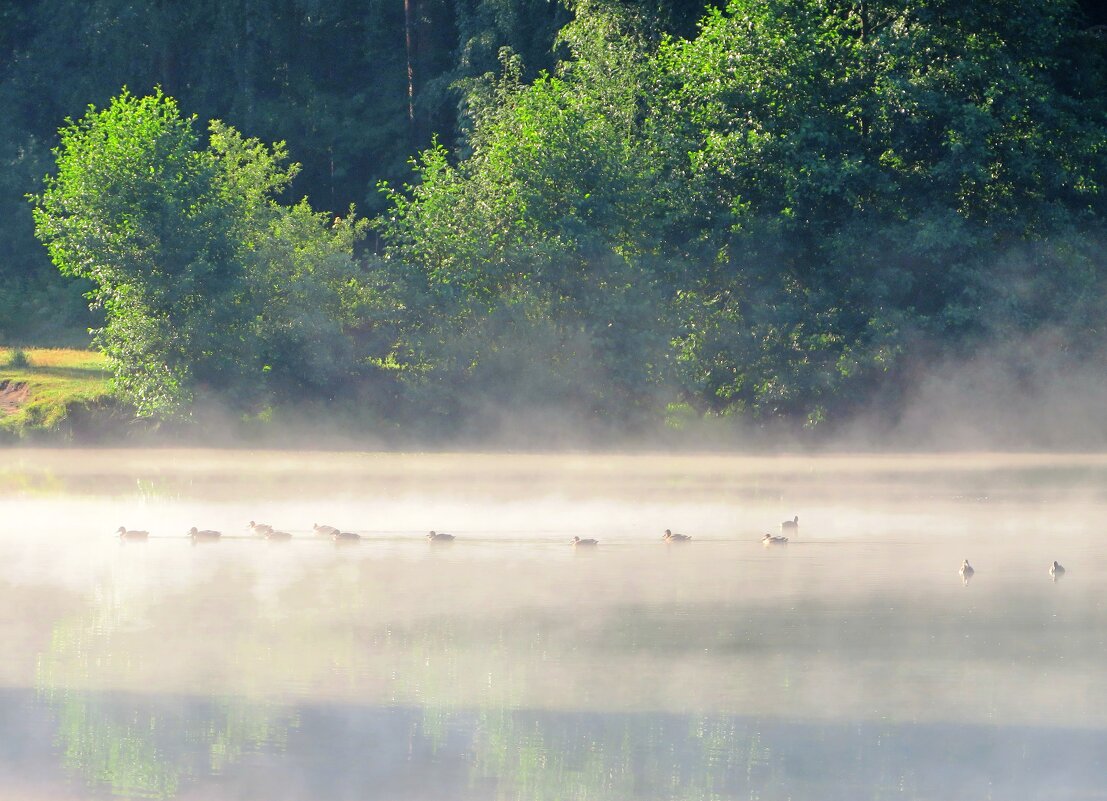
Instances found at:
x=537 y=254
x=331 y=79
x=130 y=209
x=865 y=167
x=211 y=289
x=767 y=218
x=774 y=215
x=18 y=358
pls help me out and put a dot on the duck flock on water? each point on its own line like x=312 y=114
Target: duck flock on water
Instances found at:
x=266 y=531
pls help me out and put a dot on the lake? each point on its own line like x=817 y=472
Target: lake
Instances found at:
x=852 y=663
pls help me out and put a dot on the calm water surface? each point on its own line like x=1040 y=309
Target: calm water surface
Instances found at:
x=852 y=663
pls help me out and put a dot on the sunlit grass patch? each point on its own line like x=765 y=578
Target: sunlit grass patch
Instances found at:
x=78 y=359
x=39 y=386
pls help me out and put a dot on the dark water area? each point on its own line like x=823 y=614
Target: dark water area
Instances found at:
x=354 y=752
x=854 y=662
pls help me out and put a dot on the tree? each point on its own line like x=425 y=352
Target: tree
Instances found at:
x=532 y=271
x=209 y=286
x=773 y=215
x=864 y=168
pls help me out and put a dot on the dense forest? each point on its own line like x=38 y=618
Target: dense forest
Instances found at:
x=437 y=215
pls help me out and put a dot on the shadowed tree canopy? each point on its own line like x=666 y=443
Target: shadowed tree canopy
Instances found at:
x=798 y=199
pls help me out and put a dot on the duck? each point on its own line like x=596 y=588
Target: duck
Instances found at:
x=577 y=542
x=261 y=529
x=277 y=536
x=345 y=536
x=770 y=539
x=671 y=537
x=966 y=571
x=205 y=534
x=791 y=525
x=132 y=534
x=435 y=536
x=1056 y=570
x=326 y=531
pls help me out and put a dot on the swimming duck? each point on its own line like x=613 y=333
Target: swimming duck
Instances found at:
x=671 y=537
x=577 y=542
x=770 y=539
x=345 y=536
x=1056 y=570
x=278 y=536
x=434 y=536
x=133 y=534
x=326 y=531
x=205 y=534
x=966 y=571
x=790 y=526
x=261 y=529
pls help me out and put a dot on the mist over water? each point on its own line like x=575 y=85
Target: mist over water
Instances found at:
x=851 y=663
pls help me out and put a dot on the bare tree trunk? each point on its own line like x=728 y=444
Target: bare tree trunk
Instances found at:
x=167 y=20
x=865 y=125
x=409 y=29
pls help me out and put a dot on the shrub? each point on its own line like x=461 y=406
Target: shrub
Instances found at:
x=19 y=358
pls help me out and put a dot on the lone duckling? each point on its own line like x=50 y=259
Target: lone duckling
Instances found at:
x=345 y=536
x=435 y=536
x=205 y=534
x=261 y=529
x=966 y=571
x=132 y=534
x=277 y=536
x=790 y=526
x=577 y=542
x=671 y=537
x=326 y=531
x=770 y=539
x=1056 y=570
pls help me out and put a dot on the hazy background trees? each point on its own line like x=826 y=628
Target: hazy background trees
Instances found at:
x=776 y=210
x=775 y=217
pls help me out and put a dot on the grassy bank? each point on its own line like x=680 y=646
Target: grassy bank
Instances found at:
x=44 y=392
